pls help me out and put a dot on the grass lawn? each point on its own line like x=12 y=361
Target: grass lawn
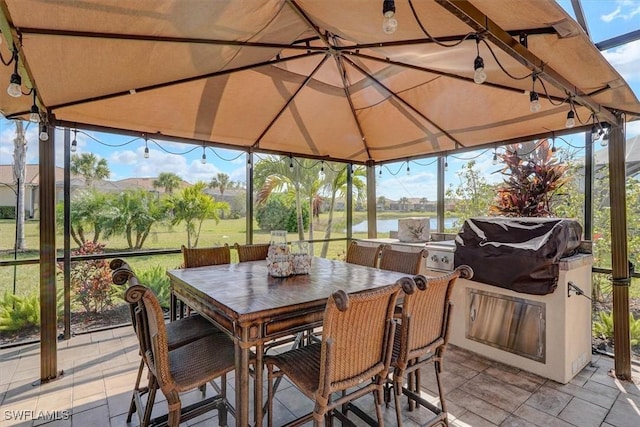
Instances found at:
x=163 y=237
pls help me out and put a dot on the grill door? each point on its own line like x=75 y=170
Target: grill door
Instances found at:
x=516 y=325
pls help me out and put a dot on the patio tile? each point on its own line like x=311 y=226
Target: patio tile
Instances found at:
x=591 y=392
x=470 y=419
x=538 y=417
x=94 y=417
x=515 y=421
x=625 y=412
x=523 y=380
x=582 y=413
x=549 y=400
x=478 y=406
x=488 y=388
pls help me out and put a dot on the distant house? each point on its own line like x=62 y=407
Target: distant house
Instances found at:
x=8 y=188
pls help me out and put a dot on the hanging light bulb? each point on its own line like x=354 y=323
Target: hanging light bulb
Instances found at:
x=14 y=89
x=146 y=148
x=534 y=99
x=203 y=160
x=408 y=169
x=389 y=23
x=534 y=102
x=44 y=133
x=248 y=161
x=594 y=133
x=74 y=143
x=479 y=75
x=290 y=163
x=380 y=172
x=553 y=146
x=571 y=119
x=495 y=157
x=34 y=116
x=446 y=165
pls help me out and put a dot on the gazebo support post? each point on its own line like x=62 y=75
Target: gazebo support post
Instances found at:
x=619 y=257
x=372 y=228
x=48 y=317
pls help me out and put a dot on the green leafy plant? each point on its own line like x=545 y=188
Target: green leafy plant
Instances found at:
x=157 y=280
x=18 y=312
x=603 y=327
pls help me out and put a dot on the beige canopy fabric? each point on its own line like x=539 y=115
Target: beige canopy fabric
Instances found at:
x=309 y=77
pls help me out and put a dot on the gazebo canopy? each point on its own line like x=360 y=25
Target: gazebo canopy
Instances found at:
x=307 y=77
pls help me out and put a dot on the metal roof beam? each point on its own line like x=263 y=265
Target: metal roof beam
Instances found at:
x=582 y=20
x=481 y=23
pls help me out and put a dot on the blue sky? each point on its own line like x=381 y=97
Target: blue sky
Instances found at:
x=606 y=19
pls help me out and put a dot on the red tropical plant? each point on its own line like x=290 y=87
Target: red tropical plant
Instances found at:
x=531 y=181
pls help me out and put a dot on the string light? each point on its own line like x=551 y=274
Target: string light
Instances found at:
x=408 y=169
x=571 y=116
x=203 y=160
x=553 y=144
x=290 y=163
x=380 y=171
x=44 y=132
x=446 y=165
x=495 y=156
x=479 y=75
x=15 y=82
x=146 y=148
x=389 y=23
x=248 y=160
x=534 y=99
x=74 y=143
x=34 y=116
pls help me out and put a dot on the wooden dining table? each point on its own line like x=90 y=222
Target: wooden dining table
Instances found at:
x=255 y=308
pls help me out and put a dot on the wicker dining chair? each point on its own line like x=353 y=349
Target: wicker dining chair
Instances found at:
x=421 y=338
x=200 y=257
x=179 y=332
x=186 y=368
x=355 y=349
x=257 y=252
x=363 y=255
x=401 y=261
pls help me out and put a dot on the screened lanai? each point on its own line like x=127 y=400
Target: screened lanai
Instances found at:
x=315 y=80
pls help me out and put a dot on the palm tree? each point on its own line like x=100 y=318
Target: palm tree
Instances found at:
x=404 y=203
x=91 y=212
x=135 y=212
x=221 y=181
x=335 y=183
x=280 y=174
x=19 y=174
x=90 y=167
x=167 y=180
x=193 y=206
x=423 y=203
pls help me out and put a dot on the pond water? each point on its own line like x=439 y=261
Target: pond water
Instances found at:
x=386 y=225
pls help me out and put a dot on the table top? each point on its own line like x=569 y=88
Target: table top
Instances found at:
x=246 y=290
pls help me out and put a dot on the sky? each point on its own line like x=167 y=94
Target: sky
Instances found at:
x=606 y=19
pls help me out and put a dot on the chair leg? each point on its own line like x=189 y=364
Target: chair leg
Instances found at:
x=153 y=388
x=378 y=404
x=269 y=395
x=397 y=392
x=175 y=406
x=136 y=388
x=443 y=405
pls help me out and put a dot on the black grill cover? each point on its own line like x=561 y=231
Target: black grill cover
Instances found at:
x=520 y=254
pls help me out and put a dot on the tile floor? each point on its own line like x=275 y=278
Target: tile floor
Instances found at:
x=100 y=368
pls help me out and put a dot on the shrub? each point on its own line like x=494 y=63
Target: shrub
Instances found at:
x=19 y=312
x=7 y=212
x=603 y=327
x=277 y=214
x=157 y=280
x=91 y=280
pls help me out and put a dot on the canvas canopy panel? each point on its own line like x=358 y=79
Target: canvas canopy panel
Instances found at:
x=311 y=78
x=520 y=254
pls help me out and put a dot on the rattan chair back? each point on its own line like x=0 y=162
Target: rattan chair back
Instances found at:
x=363 y=255
x=422 y=336
x=185 y=368
x=401 y=261
x=257 y=252
x=200 y=257
x=357 y=339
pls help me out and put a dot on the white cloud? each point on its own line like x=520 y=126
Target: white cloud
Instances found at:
x=625 y=59
x=633 y=129
x=611 y=16
x=625 y=10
